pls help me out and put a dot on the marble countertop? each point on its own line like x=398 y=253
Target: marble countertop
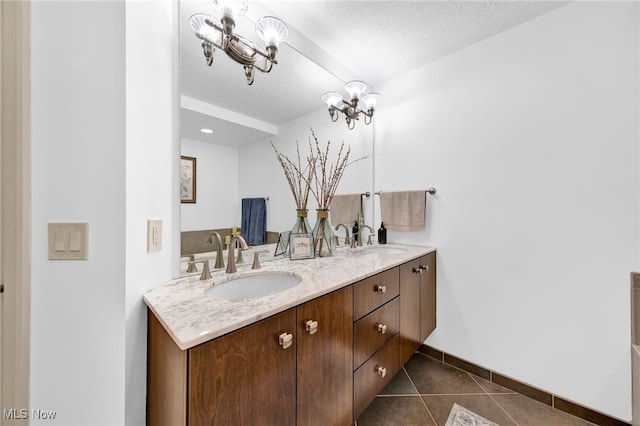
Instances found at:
x=193 y=317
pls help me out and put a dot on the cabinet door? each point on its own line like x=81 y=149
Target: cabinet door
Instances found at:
x=409 y=309
x=325 y=359
x=427 y=295
x=245 y=377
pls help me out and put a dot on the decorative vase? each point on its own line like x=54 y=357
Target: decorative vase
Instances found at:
x=302 y=223
x=324 y=240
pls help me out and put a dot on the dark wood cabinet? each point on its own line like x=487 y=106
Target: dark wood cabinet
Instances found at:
x=245 y=377
x=325 y=357
x=427 y=296
x=417 y=303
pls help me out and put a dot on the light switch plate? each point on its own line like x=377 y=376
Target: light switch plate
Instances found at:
x=68 y=241
x=154 y=235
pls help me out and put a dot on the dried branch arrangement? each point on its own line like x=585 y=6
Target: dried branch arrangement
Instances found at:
x=297 y=176
x=320 y=175
x=327 y=174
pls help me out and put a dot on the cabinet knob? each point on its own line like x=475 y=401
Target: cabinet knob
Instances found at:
x=417 y=270
x=424 y=268
x=311 y=326
x=285 y=340
x=382 y=289
x=382 y=328
x=381 y=371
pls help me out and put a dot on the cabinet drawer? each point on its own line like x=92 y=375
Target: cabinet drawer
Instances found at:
x=368 y=382
x=375 y=291
x=374 y=330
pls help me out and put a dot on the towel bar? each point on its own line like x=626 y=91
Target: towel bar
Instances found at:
x=430 y=190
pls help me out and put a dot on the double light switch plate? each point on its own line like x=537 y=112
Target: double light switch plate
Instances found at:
x=68 y=241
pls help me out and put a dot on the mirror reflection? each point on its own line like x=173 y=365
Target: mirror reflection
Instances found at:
x=235 y=159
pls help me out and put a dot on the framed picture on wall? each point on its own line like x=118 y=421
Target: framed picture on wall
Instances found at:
x=187 y=179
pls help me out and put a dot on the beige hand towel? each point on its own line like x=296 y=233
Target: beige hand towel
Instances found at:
x=345 y=208
x=403 y=211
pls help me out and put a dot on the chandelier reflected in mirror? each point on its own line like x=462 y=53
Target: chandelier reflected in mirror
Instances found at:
x=219 y=33
x=352 y=108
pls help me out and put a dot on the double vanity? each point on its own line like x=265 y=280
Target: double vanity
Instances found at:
x=306 y=342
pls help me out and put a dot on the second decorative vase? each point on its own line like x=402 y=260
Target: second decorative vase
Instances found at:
x=324 y=240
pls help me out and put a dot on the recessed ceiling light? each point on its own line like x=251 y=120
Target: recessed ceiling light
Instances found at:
x=206 y=131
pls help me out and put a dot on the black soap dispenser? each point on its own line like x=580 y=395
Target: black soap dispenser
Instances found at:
x=355 y=231
x=382 y=234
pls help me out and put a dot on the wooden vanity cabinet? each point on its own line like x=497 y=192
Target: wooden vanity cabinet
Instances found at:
x=248 y=377
x=417 y=303
x=345 y=347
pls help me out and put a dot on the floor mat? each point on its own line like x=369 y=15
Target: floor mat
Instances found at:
x=460 y=416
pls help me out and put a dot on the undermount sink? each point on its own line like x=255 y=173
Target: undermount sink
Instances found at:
x=253 y=286
x=383 y=250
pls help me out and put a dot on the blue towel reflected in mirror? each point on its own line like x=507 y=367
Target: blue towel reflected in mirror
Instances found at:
x=254 y=221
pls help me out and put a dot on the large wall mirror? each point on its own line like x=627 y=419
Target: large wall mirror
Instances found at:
x=237 y=161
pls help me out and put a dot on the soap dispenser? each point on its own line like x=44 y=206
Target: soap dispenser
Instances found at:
x=382 y=234
x=355 y=230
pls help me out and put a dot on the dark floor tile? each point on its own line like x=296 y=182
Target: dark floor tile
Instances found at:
x=400 y=385
x=396 y=411
x=490 y=387
x=440 y=406
x=434 y=377
x=528 y=412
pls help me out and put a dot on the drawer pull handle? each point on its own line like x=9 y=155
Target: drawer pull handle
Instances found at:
x=285 y=340
x=311 y=326
x=382 y=289
x=381 y=371
x=382 y=328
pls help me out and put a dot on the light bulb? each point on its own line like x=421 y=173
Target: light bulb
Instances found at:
x=232 y=8
x=203 y=30
x=271 y=30
x=371 y=100
x=332 y=99
x=355 y=88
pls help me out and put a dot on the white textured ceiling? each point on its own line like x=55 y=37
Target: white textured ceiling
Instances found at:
x=332 y=42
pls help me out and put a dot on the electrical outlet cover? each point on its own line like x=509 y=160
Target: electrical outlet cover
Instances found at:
x=154 y=235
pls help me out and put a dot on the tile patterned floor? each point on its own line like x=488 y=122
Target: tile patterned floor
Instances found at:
x=424 y=391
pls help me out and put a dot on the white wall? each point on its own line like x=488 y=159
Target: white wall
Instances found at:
x=531 y=138
x=217 y=198
x=103 y=153
x=152 y=159
x=262 y=176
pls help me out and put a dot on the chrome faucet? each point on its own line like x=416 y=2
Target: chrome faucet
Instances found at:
x=360 y=232
x=218 y=245
x=231 y=261
x=346 y=229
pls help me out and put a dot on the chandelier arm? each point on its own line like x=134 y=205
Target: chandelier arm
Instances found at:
x=369 y=119
x=351 y=124
x=268 y=65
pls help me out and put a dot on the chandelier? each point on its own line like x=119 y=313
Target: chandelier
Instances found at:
x=351 y=108
x=214 y=33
